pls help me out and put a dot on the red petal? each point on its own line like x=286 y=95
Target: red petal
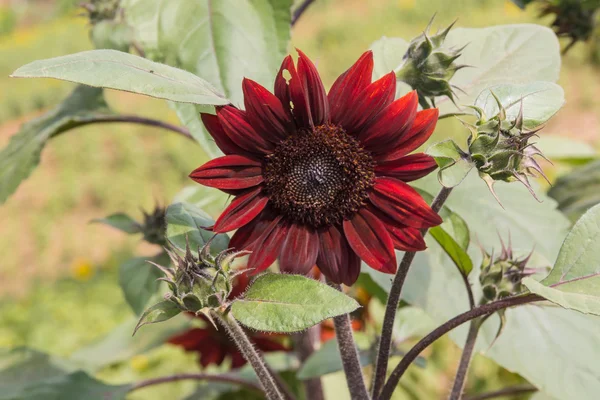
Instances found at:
x=281 y=89
x=229 y=172
x=243 y=238
x=369 y=238
x=265 y=112
x=422 y=128
x=390 y=124
x=190 y=339
x=337 y=261
x=300 y=250
x=268 y=246
x=368 y=103
x=236 y=125
x=317 y=98
x=408 y=168
x=294 y=93
x=241 y=211
x=212 y=353
x=407 y=239
x=402 y=203
x=213 y=126
x=348 y=85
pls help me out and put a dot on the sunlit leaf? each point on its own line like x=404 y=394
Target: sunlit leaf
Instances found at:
x=454 y=164
x=185 y=220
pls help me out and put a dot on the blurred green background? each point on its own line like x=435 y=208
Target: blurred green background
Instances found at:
x=58 y=273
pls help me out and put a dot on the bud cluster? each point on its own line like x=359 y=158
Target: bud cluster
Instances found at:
x=428 y=66
x=500 y=148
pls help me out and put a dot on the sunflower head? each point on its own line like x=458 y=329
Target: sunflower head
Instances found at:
x=428 y=66
x=501 y=150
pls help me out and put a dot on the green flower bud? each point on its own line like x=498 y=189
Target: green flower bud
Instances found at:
x=154 y=226
x=428 y=66
x=572 y=18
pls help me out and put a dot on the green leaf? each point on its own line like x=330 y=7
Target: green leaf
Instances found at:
x=189 y=115
x=565 y=149
x=388 y=55
x=458 y=255
x=289 y=303
x=186 y=220
x=540 y=100
x=30 y=375
x=159 y=312
x=222 y=41
x=210 y=200
x=327 y=360
x=118 y=345
x=574 y=282
x=122 y=222
x=138 y=280
x=22 y=155
x=578 y=190
x=122 y=71
x=454 y=164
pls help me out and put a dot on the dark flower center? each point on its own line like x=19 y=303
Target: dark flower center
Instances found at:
x=318 y=177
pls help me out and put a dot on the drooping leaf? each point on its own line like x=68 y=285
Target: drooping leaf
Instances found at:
x=161 y=311
x=118 y=345
x=186 y=220
x=578 y=190
x=21 y=156
x=138 y=280
x=457 y=254
x=574 y=282
x=123 y=71
x=122 y=222
x=540 y=101
x=454 y=164
x=289 y=303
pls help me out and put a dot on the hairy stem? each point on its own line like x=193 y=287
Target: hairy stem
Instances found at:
x=385 y=342
x=247 y=349
x=349 y=353
x=441 y=330
x=306 y=343
x=300 y=10
x=465 y=361
x=509 y=391
x=201 y=377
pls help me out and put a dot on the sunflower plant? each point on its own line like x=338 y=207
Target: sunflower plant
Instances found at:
x=330 y=198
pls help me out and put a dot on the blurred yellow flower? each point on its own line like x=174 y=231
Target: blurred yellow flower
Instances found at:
x=511 y=9
x=407 y=4
x=139 y=363
x=82 y=269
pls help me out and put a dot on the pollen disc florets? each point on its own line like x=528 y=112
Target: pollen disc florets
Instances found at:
x=318 y=177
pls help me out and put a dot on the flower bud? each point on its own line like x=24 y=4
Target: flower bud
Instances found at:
x=500 y=149
x=154 y=226
x=428 y=66
x=101 y=10
x=572 y=18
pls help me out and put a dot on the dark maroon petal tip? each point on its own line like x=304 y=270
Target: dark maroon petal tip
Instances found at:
x=229 y=172
x=265 y=111
x=300 y=250
x=236 y=125
x=408 y=168
x=315 y=91
x=336 y=260
x=268 y=246
x=241 y=211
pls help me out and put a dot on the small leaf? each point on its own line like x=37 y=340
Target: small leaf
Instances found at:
x=22 y=155
x=186 y=220
x=459 y=256
x=138 y=280
x=158 y=313
x=121 y=222
x=574 y=282
x=541 y=100
x=289 y=303
x=122 y=71
x=453 y=162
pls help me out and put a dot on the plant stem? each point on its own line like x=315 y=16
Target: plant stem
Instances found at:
x=287 y=393
x=446 y=327
x=349 y=354
x=385 y=342
x=300 y=10
x=238 y=335
x=306 y=343
x=201 y=377
x=465 y=361
x=513 y=390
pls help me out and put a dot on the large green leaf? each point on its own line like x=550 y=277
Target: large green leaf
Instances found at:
x=122 y=71
x=289 y=303
x=574 y=282
x=30 y=375
x=497 y=55
x=540 y=101
x=138 y=280
x=578 y=190
x=21 y=156
x=185 y=220
x=328 y=360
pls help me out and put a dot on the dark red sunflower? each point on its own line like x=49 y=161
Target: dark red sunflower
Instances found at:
x=213 y=345
x=321 y=179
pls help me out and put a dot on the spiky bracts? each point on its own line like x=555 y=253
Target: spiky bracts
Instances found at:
x=428 y=66
x=154 y=226
x=500 y=149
